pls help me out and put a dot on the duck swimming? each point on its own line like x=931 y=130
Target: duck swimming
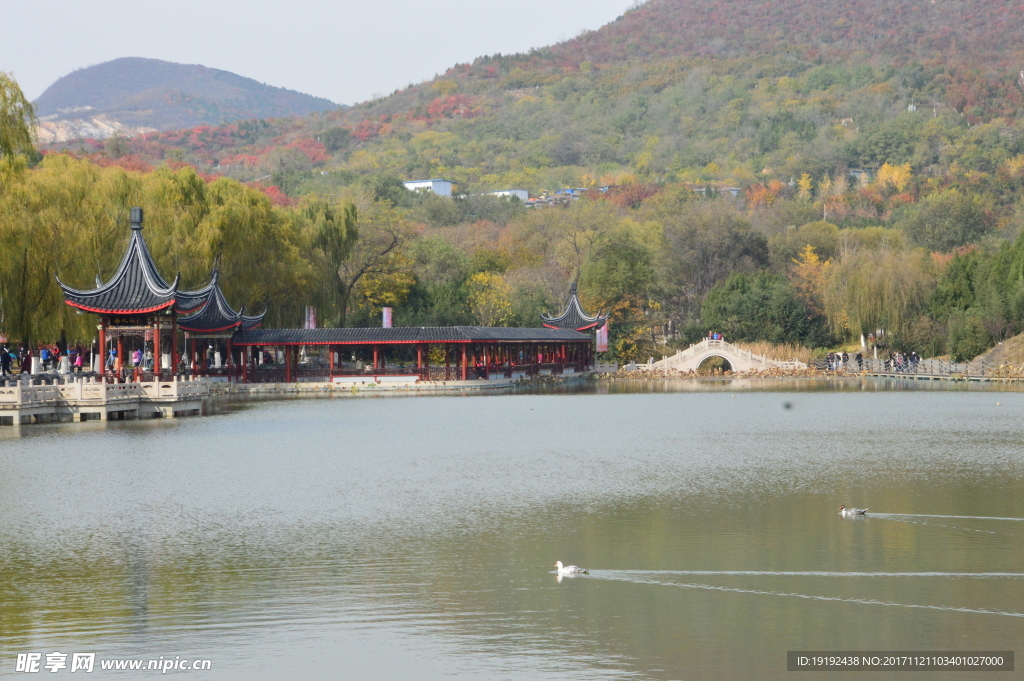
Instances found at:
x=852 y=511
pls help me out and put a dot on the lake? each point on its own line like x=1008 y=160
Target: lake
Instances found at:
x=414 y=537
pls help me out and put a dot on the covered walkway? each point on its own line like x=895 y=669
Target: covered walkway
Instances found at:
x=427 y=353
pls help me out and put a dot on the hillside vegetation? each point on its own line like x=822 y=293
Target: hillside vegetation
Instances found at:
x=876 y=152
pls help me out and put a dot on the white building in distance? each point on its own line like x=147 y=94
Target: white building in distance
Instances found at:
x=439 y=187
x=521 y=194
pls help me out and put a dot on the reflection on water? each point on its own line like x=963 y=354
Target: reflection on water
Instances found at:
x=413 y=537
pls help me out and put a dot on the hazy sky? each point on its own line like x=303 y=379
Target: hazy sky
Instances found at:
x=345 y=51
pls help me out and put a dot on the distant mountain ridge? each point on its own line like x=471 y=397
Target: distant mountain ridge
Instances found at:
x=133 y=94
x=733 y=92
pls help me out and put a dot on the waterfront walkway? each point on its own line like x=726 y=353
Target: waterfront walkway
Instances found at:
x=66 y=398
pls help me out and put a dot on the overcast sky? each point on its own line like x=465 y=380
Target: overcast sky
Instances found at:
x=345 y=51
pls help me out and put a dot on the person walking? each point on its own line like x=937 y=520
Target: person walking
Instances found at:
x=5 y=361
x=78 y=362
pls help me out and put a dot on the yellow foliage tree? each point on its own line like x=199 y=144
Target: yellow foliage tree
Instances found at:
x=808 y=275
x=490 y=299
x=894 y=177
x=805 y=185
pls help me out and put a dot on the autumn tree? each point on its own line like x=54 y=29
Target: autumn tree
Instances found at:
x=490 y=299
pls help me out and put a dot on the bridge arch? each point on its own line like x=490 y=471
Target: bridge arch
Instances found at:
x=740 y=360
x=710 y=357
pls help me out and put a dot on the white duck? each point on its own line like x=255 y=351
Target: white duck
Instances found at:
x=570 y=569
x=852 y=511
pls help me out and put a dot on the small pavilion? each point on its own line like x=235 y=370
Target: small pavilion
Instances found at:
x=574 y=317
x=137 y=302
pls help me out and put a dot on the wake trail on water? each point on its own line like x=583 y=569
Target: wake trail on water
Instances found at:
x=864 y=601
x=807 y=573
x=948 y=527
x=957 y=517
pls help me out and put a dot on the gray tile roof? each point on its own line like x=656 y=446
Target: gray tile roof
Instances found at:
x=136 y=286
x=408 y=334
x=574 y=317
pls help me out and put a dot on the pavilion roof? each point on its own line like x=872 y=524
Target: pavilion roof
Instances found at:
x=407 y=335
x=574 y=317
x=215 y=314
x=136 y=286
x=190 y=302
x=250 y=322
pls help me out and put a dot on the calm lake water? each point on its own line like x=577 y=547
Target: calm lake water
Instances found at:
x=414 y=537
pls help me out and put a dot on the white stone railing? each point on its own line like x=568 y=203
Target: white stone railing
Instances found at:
x=103 y=393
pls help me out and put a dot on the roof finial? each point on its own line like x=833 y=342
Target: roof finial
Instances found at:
x=572 y=289
x=136 y=217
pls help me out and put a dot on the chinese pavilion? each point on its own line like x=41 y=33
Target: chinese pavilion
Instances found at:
x=574 y=317
x=137 y=301
x=215 y=322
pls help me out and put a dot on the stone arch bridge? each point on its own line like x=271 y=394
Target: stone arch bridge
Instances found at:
x=739 y=360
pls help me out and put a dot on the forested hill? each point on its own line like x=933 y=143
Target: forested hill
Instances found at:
x=160 y=95
x=970 y=31
x=728 y=92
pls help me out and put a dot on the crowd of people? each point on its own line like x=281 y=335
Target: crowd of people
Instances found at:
x=839 y=361
x=19 y=360
x=901 y=362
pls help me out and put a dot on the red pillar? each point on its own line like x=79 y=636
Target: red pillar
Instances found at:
x=245 y=365
x=465 y=364
x=419 y=360
x=330 y=352
x=447 y=361
x=174 y=345
x=103 y=348
x=120 y=355
x=287 y=364
x=231 y=359
x=376 y=354
x=156 y=351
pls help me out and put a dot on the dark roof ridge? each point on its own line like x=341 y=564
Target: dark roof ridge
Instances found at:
x=136 y=286
x=574 y=317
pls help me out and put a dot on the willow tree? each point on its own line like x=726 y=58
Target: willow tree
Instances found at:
x=45 y=217
x=333 y=230
x=17 y=119
x=883 y=289
x=69 y=218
